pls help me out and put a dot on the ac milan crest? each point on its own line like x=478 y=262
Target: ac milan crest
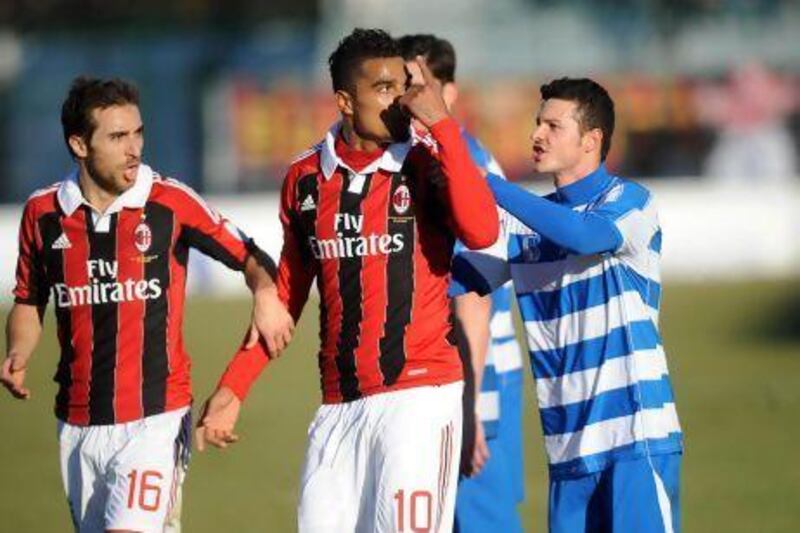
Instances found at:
x=401 y=199
x=142 y=237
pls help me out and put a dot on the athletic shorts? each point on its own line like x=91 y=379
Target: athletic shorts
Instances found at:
x=640 y=495
x=509 y=432
x=126 y=476
x=487 y=503
x=383 y=463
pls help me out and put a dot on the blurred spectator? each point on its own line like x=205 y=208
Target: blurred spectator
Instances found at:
x=750 y=112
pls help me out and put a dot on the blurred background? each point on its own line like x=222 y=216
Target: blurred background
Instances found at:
x=708 y=116
x=232 y=90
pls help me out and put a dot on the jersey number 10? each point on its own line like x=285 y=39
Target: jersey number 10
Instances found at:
x=420 y=502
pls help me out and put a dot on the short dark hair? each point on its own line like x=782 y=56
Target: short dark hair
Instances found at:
x=595 y=107
x=439 y=53
x=87 y=94
x=356 y=48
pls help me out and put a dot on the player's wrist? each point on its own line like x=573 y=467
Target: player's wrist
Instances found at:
x=229 y=387
x=266 y=293
x=257 y=280
x=226 y=392
x=17 y=362
x=436 y=120
x=444 y=129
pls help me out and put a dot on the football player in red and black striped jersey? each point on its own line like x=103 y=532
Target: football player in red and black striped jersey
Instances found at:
x=372 y=218
x=110 y=243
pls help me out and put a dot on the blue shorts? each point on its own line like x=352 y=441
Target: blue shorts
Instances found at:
x=510 y=430
x=639 y=495
x=488 y=501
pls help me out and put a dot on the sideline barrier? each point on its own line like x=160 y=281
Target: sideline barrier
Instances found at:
x=711 y=231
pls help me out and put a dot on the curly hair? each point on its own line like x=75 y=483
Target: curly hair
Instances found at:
x=595 y=106
x=87 y=94
x=356 y=48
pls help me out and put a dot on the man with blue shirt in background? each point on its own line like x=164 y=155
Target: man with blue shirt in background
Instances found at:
x=493 y=487
x=585 y=264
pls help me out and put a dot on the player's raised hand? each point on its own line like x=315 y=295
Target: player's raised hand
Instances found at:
x=12 y=376
x=425 y=101
x=272 y=321
x=218 y=419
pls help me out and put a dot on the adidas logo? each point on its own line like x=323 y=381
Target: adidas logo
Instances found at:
x=62 y=243
x=308 y=204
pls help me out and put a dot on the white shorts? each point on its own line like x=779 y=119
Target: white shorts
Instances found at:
x=126 y=476
x=387 y=462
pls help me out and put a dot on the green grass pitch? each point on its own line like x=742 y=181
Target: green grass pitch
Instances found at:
x=734 y=354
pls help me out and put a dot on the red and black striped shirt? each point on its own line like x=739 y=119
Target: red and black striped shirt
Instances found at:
x=379 y=242
x=118 y=284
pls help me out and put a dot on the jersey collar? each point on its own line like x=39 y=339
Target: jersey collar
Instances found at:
x=70 y=196
x=585 y=189
x=391 y=160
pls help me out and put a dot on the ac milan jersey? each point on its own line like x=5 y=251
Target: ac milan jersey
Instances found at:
x=379 y=242
x=118 y=286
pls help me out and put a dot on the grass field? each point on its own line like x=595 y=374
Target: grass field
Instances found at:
x=734 y=352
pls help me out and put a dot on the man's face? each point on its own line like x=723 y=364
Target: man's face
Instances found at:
x=557 y=137
x=375 y=113
x=114 y=151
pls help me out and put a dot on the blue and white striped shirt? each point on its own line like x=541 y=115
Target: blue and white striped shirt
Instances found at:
x=601 y=374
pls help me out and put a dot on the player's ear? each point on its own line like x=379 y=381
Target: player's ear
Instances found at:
x=593 y=140
x=344 y=102
x=449 y=94
x=79 y=146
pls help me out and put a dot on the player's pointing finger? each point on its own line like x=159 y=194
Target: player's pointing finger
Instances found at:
x=427 y=75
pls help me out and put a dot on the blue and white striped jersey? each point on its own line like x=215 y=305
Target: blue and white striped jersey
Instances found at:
x=601 y=374
x=504 y=353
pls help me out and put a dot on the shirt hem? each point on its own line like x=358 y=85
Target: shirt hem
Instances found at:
x=592 y=466
x=125 y=420
x=331 y=398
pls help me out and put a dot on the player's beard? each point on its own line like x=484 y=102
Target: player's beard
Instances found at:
x=105 y=181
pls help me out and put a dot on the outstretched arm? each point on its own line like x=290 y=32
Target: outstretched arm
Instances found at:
x=206 y=230
x=581 y=233
x=294 y=277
